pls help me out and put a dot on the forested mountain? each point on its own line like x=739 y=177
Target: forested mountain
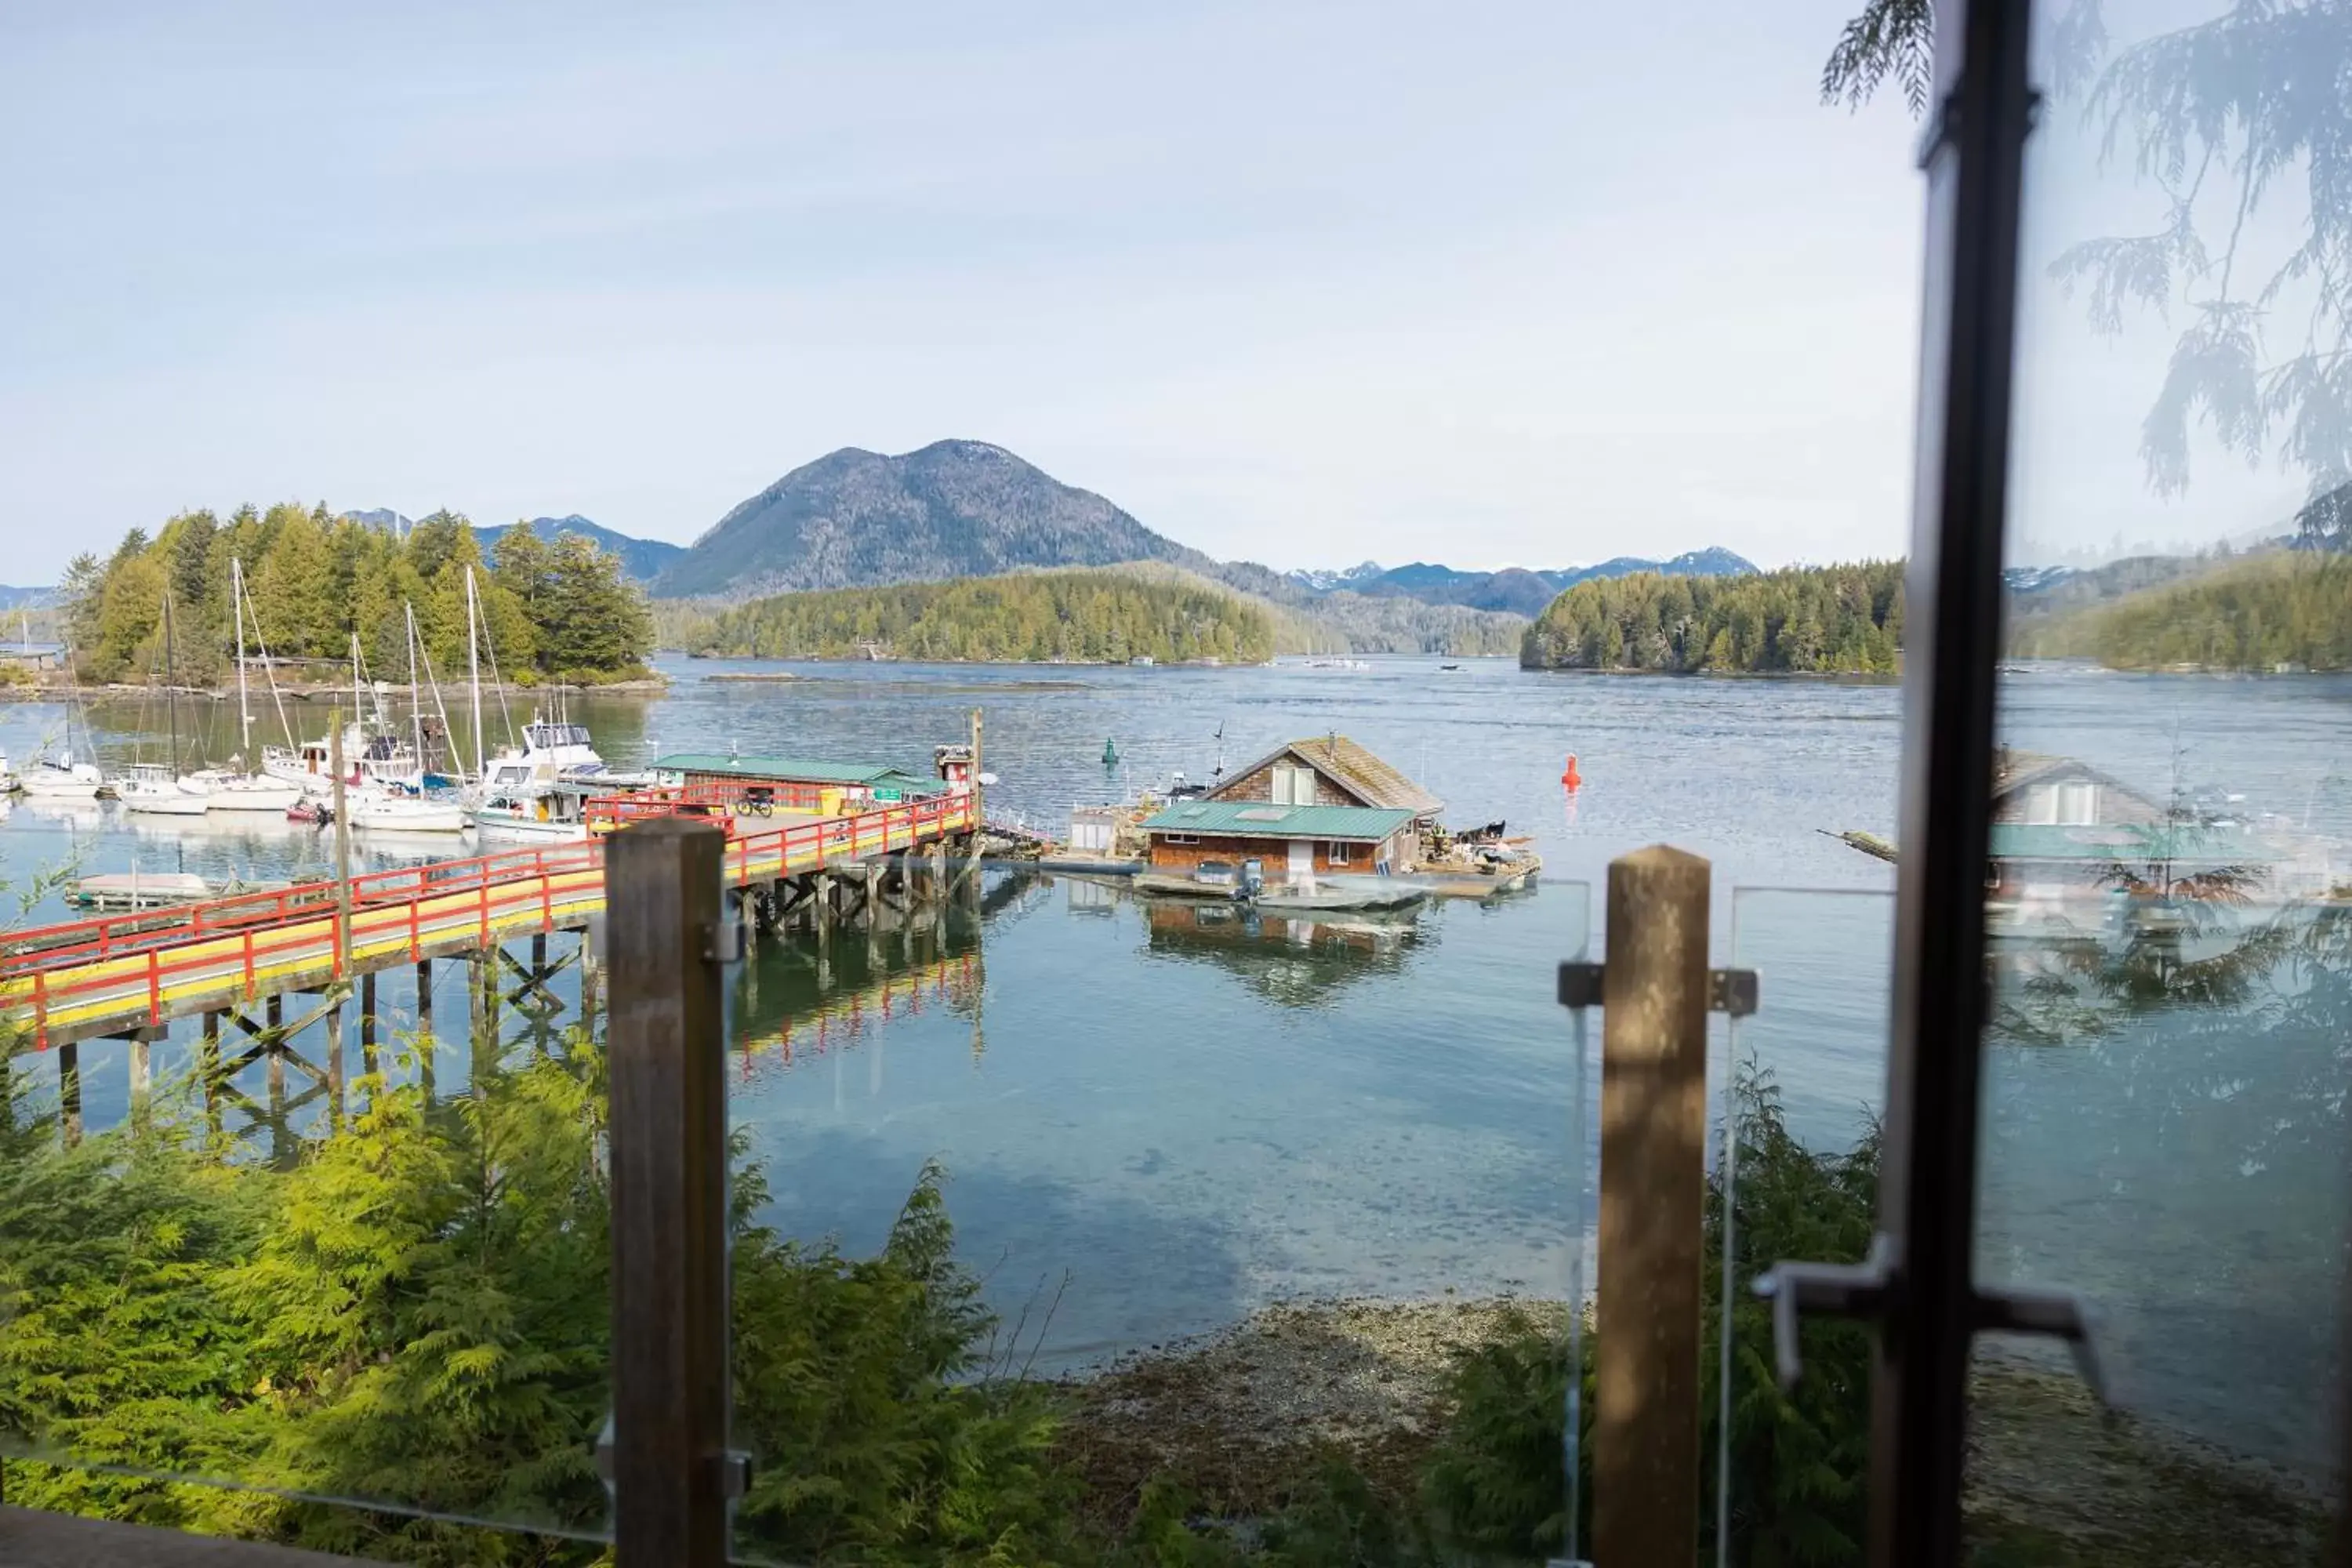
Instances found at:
x=953 y=509
x=1805 y=619
x=642 y=560
x=559 y=610
x=1073 y=615
x=2282 y=607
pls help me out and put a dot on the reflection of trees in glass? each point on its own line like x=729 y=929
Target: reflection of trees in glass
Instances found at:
x=2233 y=121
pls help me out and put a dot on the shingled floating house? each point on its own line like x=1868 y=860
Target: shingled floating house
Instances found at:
x=1305 y=809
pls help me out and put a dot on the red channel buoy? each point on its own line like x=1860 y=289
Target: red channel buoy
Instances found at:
x=1570 y=776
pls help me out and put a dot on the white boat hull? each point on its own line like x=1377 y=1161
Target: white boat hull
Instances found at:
x=167 y=801
x=272 y=795
x=407 y=816
x=491 y=825
x=56 y=783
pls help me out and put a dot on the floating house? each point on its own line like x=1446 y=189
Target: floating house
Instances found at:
x=1296 y=843
x=1328 y=770
x=2037 y=789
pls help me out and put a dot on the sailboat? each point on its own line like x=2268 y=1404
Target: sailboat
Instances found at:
x=227 y=789
x=155 y=788
x=400 y=805
x=373 y=755
x=58 y=776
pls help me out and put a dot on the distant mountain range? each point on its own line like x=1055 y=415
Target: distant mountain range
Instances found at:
x=959 y=509
x=1514 y=589
x=643 y=560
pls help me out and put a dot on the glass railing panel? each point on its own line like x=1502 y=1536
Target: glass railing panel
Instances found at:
x=1799 y=1087
x=1073 y=1215
x=2163 y=1133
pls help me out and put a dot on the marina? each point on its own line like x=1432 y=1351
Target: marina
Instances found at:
x=1396 y=1077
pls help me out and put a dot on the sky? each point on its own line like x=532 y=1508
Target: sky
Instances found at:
x=1487 y=283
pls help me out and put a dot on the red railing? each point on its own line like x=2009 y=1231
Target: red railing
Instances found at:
x=389 y=904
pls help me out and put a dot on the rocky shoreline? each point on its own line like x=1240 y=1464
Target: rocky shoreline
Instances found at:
x=1244 y=1418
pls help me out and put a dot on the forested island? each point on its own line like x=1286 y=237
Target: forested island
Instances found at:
x=1077 y=615
x=555 y=611
x=2283 y=609
x=1824 y=620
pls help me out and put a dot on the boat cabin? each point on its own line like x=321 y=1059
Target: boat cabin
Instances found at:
x=1293 y=843
x=1327 y=770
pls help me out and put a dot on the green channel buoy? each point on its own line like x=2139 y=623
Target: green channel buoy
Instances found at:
x=1110 y=754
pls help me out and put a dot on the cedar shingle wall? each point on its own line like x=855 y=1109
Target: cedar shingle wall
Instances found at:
x=1259 y=785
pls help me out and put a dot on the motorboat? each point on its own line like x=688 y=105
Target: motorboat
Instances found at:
x=7 y=777
x=153 y=789
x=544 y=812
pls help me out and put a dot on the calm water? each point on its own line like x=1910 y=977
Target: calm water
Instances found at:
x=1153 y=1127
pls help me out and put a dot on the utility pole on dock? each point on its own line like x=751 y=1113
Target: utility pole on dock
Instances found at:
x=979 y=809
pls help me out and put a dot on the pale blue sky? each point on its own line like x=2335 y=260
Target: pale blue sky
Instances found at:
x=1490 y=283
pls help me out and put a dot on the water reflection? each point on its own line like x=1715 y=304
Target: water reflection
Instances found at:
x=1287 y=960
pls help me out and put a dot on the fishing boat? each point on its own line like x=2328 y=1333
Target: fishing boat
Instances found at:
x=543 y=812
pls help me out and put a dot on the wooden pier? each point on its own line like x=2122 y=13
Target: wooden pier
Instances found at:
x=234 y=960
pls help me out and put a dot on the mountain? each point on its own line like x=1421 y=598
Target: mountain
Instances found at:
x=381 y=517
x=953 y=509
x=1318 y=581
x=642 y=560
x=1515 y=590
x=27 y=598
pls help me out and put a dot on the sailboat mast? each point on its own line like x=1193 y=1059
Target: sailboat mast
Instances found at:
x=356 y=720
x=171 y=704
x=474 y=662
x=415 y=702
x=244 y=703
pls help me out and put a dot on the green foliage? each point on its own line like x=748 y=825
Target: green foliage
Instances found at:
x=561 y=612
x=2290 y=607
x=1805 y=619
x=1074 y=615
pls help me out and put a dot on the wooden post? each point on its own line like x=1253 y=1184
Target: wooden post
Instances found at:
x=69 y=1092
x=979 y=811
x=588 y=978
x=208 y=1069
x=335 y=1063
x=1645 y=1430
x=427 y=1047
x=668 y=1161
x=342 y=850
x=367 y=1024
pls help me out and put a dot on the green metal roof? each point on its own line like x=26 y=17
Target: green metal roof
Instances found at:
x=2185 y=845
x=790 y=769
x=1259 y=820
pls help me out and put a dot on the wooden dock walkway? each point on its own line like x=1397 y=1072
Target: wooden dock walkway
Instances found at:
x=129 y=975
